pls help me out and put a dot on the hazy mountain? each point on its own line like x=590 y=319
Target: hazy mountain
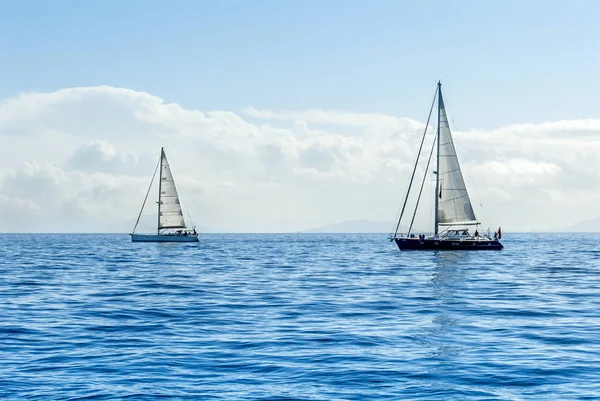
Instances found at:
x=354 y=226
x=584 y=226
x=147 y=224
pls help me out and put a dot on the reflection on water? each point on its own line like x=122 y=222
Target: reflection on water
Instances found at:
x=447 y=281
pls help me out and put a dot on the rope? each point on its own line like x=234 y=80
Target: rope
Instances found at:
x=146 y=198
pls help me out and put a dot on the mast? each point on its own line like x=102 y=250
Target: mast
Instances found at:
x=162 y=152
x=437 y=169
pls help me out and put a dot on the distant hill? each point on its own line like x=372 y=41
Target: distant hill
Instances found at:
x=147 y=224
x=356 y=226
x=584 y=227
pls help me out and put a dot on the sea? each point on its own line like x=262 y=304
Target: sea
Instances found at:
x=298 y=317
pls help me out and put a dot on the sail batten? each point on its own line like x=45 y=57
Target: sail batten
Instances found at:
x=171 y=215
x=454 y=204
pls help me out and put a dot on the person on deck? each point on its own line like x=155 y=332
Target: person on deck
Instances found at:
x=476 y=233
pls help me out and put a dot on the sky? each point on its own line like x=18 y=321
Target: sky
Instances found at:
x=280 y=116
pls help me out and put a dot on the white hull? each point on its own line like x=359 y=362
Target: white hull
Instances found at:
x=170 y=215
x=163 y=238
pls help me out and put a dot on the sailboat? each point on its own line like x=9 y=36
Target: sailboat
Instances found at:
x=171 y=224
x=454 y=214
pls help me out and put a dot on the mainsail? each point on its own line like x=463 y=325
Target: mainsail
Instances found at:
x=454 y=205
x=170 y=214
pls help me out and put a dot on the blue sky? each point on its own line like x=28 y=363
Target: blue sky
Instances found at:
x=285 y=115
x=501 y=62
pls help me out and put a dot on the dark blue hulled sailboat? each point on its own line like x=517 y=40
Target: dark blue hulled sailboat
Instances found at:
x=454 y=214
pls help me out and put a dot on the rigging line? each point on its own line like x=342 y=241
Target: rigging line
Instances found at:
x=146 y=198
x=398 y=215
x=422 y=183
x=416 y=163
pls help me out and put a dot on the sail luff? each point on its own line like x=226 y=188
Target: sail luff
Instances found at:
x=453 y=204
x=170 y=215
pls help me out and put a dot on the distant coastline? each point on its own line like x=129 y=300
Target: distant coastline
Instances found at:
x=358 y=226
x=385 y=227
x=354 y=226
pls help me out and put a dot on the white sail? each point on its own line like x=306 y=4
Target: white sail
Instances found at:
x=171 y=215
x=454 y=205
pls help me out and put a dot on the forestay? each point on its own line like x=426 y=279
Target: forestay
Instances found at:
x=171 y=215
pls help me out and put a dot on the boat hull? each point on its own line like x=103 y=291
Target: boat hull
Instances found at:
x=429 y=244
x=163 y=238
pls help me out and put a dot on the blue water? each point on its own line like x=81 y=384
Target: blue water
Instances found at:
x=298 y=317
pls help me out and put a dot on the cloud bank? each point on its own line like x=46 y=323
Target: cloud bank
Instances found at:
x=81 y=159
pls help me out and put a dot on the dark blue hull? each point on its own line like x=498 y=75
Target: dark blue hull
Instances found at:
x=415 y=244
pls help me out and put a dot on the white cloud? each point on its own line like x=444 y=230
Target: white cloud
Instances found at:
x=100 y=155
x=81 y=159
x=338 y=118
x=44 y=197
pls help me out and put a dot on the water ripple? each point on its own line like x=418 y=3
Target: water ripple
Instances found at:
x=298 y=317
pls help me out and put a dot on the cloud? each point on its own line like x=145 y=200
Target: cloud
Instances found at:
x=516 y=172
x=81 y=159
x=101 y=156
x=44 y=197
x=337 y=118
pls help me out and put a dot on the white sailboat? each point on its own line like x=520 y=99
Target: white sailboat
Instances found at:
x=171 y=224
x=453 y=210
